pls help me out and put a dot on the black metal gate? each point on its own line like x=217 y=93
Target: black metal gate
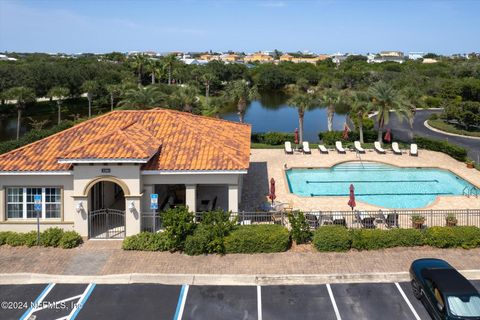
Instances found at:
x=106 y=224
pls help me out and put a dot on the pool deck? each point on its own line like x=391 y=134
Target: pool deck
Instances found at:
x=270 y=163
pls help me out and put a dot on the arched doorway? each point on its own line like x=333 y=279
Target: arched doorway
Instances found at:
x=106 y=216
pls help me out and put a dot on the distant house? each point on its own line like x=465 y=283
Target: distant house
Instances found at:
x=230 y=57
x=190 y=61
x=429 y=60
x=286 y=57
x=383 y=56
x=258 y=57
x=209 y=57
x=97 y=177
x=415 y=55
x=338 y=58
x=4 y=57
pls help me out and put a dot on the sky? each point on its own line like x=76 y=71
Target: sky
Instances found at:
x=320 y=26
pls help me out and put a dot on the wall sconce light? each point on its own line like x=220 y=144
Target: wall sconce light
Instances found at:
x=131 y=206
x=79 y=207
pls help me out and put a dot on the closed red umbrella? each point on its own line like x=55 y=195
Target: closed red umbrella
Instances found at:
x=272 y=195
x=351 y=201
x=296 y=136
x=388 y=136
x=346 y=129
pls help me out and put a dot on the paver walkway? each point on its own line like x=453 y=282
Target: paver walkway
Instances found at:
x=111 y=259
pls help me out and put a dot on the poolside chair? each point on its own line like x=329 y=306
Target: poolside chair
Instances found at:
x=312 y=220
x=358 y=147
x=288 y=147
x=395 y=148
x=378 y=147
x=392 y=220
x=414 y=150
x=339 y=147
x=322 y=149
x=338 y=219
x=306 y=147
x=367 y=221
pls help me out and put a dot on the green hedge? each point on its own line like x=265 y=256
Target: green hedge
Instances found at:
x=51 y=237
x=452 y=237
x=371 y=239
x=338 y=238
x=147 y=241
x=453 y=150
x=272 y=138
x=258 y=238
x=330 y=137
x=332 y=238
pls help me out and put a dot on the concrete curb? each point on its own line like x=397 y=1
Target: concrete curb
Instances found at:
x=447 y=133
x=216 y=279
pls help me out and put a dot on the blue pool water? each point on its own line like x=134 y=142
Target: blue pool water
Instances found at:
x=378 y=184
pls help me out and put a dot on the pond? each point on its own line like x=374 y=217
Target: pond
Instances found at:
x=270 y=113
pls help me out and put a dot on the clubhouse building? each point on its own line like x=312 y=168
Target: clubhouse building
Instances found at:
x=97 y=177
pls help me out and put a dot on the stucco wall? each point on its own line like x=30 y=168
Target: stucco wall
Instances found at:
x=63 y=181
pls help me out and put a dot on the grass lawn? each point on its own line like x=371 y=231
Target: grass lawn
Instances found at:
x=441 y=125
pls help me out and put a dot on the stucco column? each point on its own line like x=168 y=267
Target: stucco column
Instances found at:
x=80 y=218
x=132 y=215
x=2 y=204
x=191 y=197
x=233 y=197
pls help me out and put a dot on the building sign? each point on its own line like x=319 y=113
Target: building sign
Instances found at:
x=154 y=201
x=105 y=170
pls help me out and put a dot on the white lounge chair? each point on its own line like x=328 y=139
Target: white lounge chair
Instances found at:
x=378 y=147
x=322 y=148
x=413 y=149
x=306 y=147
x=339 y=147
x=288 y=147
x=358 y=147
x=395 y=148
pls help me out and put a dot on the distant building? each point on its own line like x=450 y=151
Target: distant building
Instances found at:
x=230 y=57
x=415 y=55
x=383 y=56
x=429 y=60
x=4 y=57
x=338 y=57
x=258 y=57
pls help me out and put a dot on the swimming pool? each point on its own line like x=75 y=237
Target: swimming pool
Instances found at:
x=377 y=183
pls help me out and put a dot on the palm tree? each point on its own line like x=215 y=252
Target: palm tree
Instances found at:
x=142 y=97
x=138 y=62
x=303 y=102
x=22 y=95
x=385 y=99
x=186 y=96
x=153 y=68
x=359 y=108
x=60 y=93
x=207 y=80
x=90 y=87
x=240 y=92
x=213 y=106
x=330 y=97
x=114 y=90
x=168 y=63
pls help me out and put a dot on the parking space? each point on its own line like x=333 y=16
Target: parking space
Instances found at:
x=221 y=302
x=152 y=301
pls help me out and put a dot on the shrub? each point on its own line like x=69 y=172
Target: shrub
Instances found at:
x=209 y=236
x=147 y=241
x=258 y=238
x=330 y=137
x=51 y=237
x=433 y=102
x=332 y=238
x=272 y=138
x=3 y=237
x=179 y=224
x=30 y=239
x=15 y=239
x=300 y=229
x=455 y=151
x=451 y=237
x=371 y=239
x=70 y=239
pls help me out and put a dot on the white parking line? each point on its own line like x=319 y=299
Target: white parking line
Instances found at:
x=38 y=301
x=407 y=301
x=332 y=298
x=83 y=298
x=181 y=302
x=259 y=302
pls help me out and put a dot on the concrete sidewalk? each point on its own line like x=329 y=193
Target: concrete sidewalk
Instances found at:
x=97 y=258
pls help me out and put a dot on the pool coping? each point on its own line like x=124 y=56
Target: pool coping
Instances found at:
x=428 y=207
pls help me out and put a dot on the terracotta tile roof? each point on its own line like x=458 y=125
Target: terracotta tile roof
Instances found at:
x=172 y=140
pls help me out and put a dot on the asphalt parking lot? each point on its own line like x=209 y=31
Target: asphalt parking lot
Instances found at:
x=153 y=301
